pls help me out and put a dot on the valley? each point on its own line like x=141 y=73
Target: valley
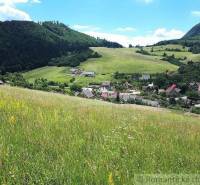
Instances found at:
x=75 y=109
x=124 y=60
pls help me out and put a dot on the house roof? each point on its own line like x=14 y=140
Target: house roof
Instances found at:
x=177 y=90
x=106 y=83
x=171 y=88
x=88 y=73
x=87 y=92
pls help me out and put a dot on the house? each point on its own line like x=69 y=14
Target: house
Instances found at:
x=184 y=99
x=150 y=103
x=109 y=95
x=151 y=86
x=173 y=90
x=87 y=92
x=127 y=85
x=94 y=86
x=161 y=91
x=75 y=71
x=134 y=92
x=145 y=77
x=105 y=86
x=88 y=74
x=197 y=106
x=1 y=82
x=127 y=97
x=194 y=86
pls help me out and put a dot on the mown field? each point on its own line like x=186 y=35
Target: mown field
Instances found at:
x=113 y=60
x=160 y=50
x=47 y=138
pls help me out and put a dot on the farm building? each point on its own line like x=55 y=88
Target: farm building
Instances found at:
x=75 y=71
x=145 y=77
x=88 y=74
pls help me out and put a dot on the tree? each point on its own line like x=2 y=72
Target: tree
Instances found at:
x=75 y=88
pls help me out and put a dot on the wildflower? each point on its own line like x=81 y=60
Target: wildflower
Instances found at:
x=110 y=179
x=12 y=120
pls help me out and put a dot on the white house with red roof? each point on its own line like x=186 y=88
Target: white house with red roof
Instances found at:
x=173 y=90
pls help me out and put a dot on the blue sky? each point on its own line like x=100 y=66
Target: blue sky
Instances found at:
x=126 y=21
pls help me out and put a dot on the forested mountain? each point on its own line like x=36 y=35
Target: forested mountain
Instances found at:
x=25 y=45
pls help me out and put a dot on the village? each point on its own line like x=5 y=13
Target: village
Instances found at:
x=141 y=89
x=148 y=94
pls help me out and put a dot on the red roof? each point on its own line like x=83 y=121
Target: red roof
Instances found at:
x=171 y=88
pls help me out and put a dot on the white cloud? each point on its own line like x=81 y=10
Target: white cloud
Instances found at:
x=196 y=13
x=12 y=13
x=8 y=10
x=125 y=29
x=12 y=2
x=149 y=39
x=85 y=27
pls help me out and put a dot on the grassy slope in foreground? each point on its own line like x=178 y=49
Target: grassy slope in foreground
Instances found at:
x=113 y=60
x=54 y=139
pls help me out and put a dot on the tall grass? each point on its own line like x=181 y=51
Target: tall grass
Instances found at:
x=47 y=138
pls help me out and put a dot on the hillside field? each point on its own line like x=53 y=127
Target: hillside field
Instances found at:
x=160 y=50
x=48 y=138
x=112 y=60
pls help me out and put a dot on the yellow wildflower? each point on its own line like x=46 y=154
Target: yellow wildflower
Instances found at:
x=110 y=179
x=12 y=120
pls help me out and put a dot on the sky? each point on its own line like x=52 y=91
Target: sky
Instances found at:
x=136 y=22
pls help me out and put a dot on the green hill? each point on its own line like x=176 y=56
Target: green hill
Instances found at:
x=26 y=45
x=90 y=142
x=122 y=59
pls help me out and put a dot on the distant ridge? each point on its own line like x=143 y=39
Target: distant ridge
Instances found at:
x=191 y=39
x=194 y=32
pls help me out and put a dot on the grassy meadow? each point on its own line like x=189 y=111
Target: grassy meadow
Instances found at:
x=125 y=60
x=160 y=50
x=112 y=60
x=48 y=138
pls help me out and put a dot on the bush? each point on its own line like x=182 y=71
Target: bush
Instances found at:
x=195 y=110
x=75 y=88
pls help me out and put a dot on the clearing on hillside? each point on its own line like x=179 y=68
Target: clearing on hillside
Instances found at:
x=174 y=49
x=122 y=60
x=48 y=138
